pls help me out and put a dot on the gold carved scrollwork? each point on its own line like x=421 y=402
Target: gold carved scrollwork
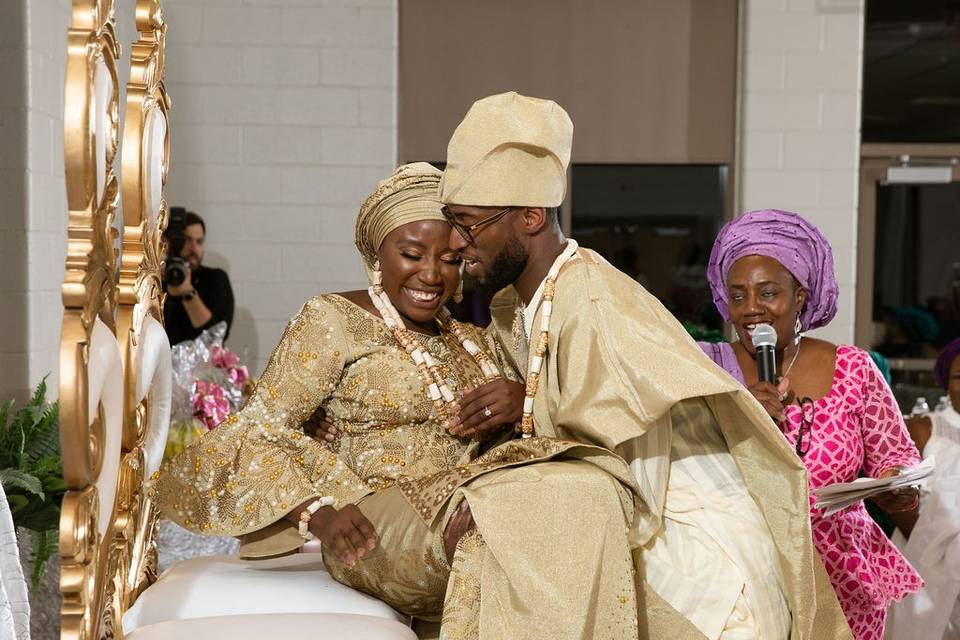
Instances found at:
x=91 y=136
x=79 y=563
x=106 y=565
x=144 y=163
x=145 y=159
x=89 y=292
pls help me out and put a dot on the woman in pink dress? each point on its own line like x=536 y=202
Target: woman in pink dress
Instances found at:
x=832 y=403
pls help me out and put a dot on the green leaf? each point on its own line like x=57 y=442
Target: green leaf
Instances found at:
x=53 y=486
x=48 y=465
x=40 y=394
x=16 y=435
x=29 y=426
x=44 y=439
x=17 y=503
x=5 y=415
x=31 y=468
x=17 y=478
x=50 y=475
x=41 y=433
x=44 y=546
x=9 y=439
x=39 y=516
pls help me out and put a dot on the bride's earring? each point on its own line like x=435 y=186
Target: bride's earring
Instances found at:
x=458 y=294
x=797 y=330
x=376 y=277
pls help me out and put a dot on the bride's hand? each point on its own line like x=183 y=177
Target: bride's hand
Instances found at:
x=488 y=408
x=346 y=532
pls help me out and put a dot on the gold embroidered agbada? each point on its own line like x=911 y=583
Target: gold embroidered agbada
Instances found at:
x=620 y=370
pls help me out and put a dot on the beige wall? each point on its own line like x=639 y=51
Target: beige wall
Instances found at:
x=14 y=255
x=645 y=81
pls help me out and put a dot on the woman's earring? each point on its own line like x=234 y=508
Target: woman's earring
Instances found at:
x=377 y=276
x=458 y=294
x=797 y=330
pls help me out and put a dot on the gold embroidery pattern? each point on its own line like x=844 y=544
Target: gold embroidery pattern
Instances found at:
x=257 y=465
x=385 y=418
x=428 y=494
x=411 y=581
x=461 y=607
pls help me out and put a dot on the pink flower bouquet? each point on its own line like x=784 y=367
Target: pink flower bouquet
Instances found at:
x=208 y=383
x=210 y=403
x=229 y=362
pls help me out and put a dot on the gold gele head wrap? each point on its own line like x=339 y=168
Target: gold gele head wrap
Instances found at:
x=509 y=151
x=411 y=194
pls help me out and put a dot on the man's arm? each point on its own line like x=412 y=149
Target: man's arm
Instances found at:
x=218 y=305
x=220 y=301
x=198 y=312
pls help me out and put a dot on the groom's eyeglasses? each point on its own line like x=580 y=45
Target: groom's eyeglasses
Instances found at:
x=466 y=231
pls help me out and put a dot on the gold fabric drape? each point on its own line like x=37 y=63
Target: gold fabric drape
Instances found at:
x=617 y=363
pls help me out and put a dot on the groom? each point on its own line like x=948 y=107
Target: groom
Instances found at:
x=722 y=532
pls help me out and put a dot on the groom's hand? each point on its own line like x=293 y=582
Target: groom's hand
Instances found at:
x=460 y=523
x=319 y=427
x=488 y=408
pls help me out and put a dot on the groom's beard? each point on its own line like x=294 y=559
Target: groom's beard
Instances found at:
x=506 y=267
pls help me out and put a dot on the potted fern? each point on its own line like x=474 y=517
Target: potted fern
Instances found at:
x=31 y=472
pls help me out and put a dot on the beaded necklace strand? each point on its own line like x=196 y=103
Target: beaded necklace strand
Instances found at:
x=439 y=392
x=538 y=354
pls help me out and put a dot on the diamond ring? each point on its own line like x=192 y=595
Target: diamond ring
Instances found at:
x=487 y=412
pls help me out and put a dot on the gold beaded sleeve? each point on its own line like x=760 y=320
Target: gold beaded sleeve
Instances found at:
x=257 y=465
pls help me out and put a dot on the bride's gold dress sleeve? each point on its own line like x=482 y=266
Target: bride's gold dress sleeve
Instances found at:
x=257 y=465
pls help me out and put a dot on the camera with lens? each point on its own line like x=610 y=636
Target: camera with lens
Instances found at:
x=176 y=268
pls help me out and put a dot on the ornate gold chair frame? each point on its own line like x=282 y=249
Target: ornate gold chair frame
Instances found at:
x=114 y=355
x=115 y=383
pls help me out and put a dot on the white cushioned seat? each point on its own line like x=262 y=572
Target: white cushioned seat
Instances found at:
x=315 y=626
x=228 y=586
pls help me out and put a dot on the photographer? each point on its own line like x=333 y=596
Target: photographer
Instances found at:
x=198 y=297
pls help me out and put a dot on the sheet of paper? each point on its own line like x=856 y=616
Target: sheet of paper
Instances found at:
x=838 y=496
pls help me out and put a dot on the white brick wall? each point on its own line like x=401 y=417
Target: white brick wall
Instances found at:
x=33 y=223
x=283 y=119
x=47 y=26
x=800 y=130
x=14 y=256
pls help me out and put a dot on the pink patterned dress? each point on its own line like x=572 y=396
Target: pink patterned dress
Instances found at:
x=856 y=426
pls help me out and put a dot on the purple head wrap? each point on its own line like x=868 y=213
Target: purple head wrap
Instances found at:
x=941 y=370
x=790 y=240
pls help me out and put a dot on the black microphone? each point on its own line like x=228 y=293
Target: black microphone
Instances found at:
x=764 y=340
